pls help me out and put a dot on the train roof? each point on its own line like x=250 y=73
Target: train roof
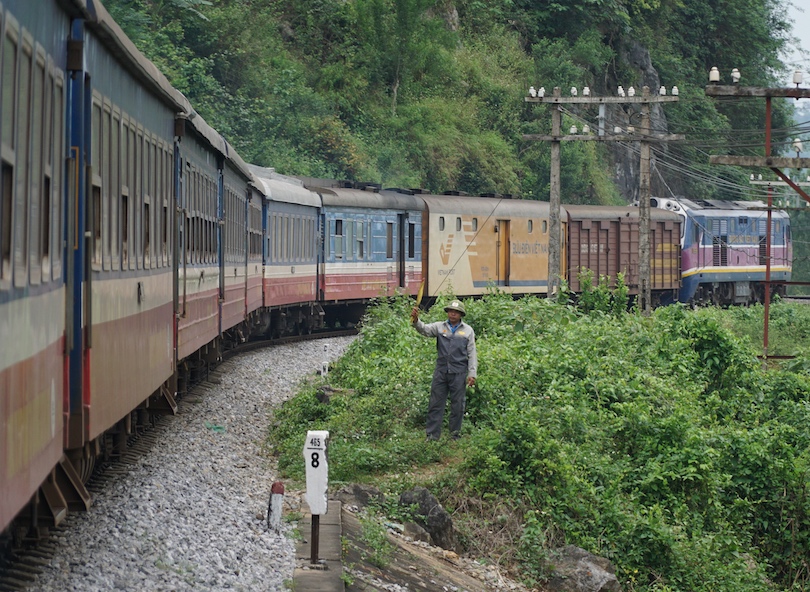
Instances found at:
x=713 y=207
x=599 y=212
x=486 y=206
x=281 y=188
x=99 y=21
x=368 y=197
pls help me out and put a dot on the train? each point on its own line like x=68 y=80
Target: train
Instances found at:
x=725 y=249
x=137 y=246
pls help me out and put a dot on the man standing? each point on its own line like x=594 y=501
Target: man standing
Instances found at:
x=456 y=367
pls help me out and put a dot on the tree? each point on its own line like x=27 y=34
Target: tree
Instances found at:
x=403 y=36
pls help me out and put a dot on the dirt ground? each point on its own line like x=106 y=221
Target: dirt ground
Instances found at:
x=413 y=565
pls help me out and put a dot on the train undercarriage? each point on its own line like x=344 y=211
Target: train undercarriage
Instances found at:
x=735 y=293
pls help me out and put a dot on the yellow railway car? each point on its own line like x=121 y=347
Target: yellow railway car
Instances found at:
x=474 y=243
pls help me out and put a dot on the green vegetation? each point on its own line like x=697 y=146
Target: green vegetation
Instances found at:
x=427 y=93
x=659 y=443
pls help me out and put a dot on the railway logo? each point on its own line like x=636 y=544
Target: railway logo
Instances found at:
x=444 y=250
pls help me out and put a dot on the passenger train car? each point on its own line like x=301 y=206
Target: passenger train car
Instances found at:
x=136 y=246
x=371 y=243
x=724 y=248
x=33 y=296
x=291 y=233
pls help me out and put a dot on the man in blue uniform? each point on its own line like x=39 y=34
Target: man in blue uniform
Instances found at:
x=456 y=367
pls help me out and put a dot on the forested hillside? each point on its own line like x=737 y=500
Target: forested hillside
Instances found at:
x=427 y=93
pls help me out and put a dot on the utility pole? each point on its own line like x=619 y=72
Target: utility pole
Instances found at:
x=773 y=162
x=644 y=138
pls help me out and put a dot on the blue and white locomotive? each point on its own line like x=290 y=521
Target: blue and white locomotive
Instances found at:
x=724 y=250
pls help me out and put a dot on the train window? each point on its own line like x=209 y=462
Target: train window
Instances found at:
x=531 y=226
x=148 y=197
x=276 y=237
x=412 y=239
x=22 y=195
x=291 y=239
x=458 y=224
x=225 y=227
x=57 y=165
x=104 y=169
x=7 y=178
x=117 y=191
x=112 y=193
x=312 y=238
x=545 y=226
x=164 y=210
x=164 y=220
x=272 y=238
x=7 y=127
x=475 y=224
x=742 y=222
x=9 y=91
x=389 y=240
x=199 y=239
x=339 y=239
x=96 y=226
x=300 y=222
x=45 y=229
x=147 y=234
x=285 y=236
x=137 y=199
x=38 y=214
x=282 y=238
x=350 y=239
x=115 y=185
x=157 y=202
x=441 y=222
x=296 y=237
x=360 y=240
x=124 y=231
x=124 y=166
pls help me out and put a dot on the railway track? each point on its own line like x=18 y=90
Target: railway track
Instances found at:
x=21 y=563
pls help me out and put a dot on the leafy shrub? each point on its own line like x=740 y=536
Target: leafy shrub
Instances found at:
x=658 y=442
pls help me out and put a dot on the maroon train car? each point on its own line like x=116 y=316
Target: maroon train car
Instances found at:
x=604 y=240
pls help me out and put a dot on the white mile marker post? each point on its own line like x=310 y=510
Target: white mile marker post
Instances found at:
x=317 y=469
x=276 y=505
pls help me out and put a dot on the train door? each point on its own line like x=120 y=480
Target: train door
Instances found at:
x=221 y=236
x=82 y=205
x=502 y=243
x=182 y=244
x=390 y=256
x=402 y=225
x=246 y=248
x=323 y=250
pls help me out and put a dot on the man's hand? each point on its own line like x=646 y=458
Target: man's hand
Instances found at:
x=471 y=381
x=415 y=314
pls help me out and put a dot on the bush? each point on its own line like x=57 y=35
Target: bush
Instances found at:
x=658 y=442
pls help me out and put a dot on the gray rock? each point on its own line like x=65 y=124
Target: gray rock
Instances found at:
x=576 y=570
x=361 y=496
x=416 y=532
x=431 y=516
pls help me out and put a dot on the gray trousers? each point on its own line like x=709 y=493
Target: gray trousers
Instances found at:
x=445 y=384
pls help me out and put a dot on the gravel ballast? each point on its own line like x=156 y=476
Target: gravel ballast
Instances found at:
x=190 y=514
